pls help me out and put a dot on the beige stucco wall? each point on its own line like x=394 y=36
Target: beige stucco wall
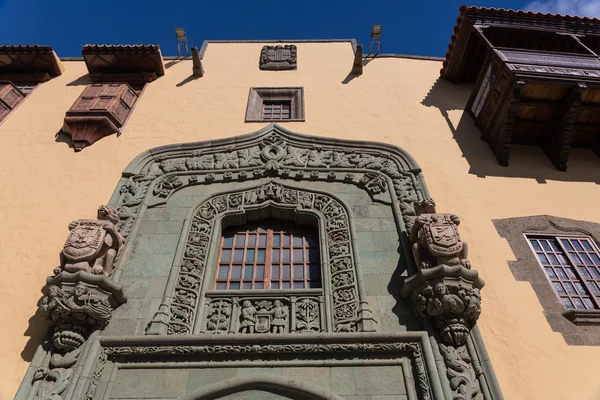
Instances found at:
x=45 y=185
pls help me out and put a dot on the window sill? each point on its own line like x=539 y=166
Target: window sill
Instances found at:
x=276 y=121
x=583 y=317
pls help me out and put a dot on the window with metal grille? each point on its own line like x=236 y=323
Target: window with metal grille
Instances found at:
x=269 y=255
x=276 y=110
x=572 y=265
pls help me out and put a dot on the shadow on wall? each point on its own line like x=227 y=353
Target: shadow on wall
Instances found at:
x=525 y=161
x=60 y=137
x=403 y=309
x=35 y=331
x=83 y=80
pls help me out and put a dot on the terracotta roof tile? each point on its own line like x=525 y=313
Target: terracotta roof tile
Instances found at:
x=136 y=48
x=23 y=49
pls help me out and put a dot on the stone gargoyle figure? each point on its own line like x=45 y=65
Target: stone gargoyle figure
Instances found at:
x=435 y=238
x=92 y=244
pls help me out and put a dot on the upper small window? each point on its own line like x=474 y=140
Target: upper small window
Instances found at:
x=269 y=255
x=572 y=264
x=275 y=104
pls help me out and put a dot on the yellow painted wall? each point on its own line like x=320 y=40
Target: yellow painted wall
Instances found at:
x=44 y=185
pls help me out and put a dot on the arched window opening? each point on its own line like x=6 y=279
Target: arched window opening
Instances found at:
x=269 y=254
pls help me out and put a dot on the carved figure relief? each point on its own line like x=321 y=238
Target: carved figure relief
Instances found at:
x=278 y=57
x=264 y=314
x=92 y=245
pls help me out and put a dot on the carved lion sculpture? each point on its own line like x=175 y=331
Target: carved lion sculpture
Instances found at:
x=435 y=238
x=92 y=245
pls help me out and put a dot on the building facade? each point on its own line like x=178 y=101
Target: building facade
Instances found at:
x=281 y=220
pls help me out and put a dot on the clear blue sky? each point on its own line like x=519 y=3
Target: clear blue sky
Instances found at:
x=420 y=27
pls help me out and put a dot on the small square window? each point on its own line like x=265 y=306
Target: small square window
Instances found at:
x=275 y=104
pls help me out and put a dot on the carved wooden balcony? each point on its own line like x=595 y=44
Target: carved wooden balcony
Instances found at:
x=101 y=110
x=119 y=74
x=537 y=79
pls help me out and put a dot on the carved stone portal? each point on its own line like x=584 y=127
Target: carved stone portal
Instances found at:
x=277 y=58
x=92 y=245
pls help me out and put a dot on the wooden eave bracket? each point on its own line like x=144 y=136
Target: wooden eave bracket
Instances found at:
x=558 y=145
x=123 y=63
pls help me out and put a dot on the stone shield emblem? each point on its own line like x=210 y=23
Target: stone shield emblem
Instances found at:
x=263 y=322
x=84 y=242
x=443 y=238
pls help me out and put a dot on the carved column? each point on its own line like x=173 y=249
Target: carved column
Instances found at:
x=79 y=299
x=447 y=291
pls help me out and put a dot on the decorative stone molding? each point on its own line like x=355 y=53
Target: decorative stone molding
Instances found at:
x=353 y=348
x=349 y=314
x=278 y=58
x=272 y=151
x=446 y=290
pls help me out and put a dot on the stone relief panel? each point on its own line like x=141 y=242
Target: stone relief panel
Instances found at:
x=278 y=58
x=264 y=314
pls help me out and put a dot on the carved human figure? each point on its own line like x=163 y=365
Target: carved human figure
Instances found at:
x=53 y=301
x=435 y=238
x=92 y=245
x=248 y=317
x=84 y=301
x=280 y=317
x=444 y=301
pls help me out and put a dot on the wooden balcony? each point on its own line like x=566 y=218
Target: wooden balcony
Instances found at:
x=532 y=86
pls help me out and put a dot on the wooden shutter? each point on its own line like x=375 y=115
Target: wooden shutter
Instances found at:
x=10 y=97
x=100 y=110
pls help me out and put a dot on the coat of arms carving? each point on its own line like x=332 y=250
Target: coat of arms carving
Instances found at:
x=435 y=238
x=278 y=57
x=92 y=244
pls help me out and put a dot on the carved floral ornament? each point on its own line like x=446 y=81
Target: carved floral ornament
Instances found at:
x=386 y=172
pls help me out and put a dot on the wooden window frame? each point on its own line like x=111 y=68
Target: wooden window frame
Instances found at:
x=276 y=108
x=273 y=242
x=576 y=275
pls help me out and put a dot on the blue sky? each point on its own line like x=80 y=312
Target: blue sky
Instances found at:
x=416 y=27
